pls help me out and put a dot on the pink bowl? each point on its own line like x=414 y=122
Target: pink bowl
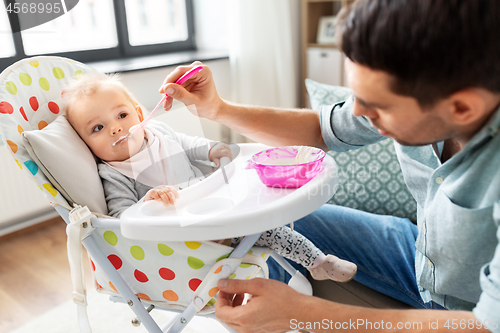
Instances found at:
x=277 y=167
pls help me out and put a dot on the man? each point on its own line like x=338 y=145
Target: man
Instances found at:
x=425 y=73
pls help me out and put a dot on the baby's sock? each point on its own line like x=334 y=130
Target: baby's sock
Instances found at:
x=333 y=268
x=320 y=257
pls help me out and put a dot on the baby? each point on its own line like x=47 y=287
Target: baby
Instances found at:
x=154 y=163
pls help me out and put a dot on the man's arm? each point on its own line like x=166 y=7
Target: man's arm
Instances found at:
x=275 y=307
x=348 y=318
x=271 y=126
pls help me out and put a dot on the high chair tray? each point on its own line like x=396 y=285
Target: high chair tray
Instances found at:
x=214 y=209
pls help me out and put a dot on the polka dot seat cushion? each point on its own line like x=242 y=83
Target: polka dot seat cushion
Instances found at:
x=165 y=274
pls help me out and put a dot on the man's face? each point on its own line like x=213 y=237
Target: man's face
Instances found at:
x=102 y=118
x=396 y=116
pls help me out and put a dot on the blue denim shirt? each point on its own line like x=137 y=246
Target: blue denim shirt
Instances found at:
x=458 y=210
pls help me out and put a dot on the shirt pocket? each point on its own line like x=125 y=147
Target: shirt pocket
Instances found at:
x=463 y=235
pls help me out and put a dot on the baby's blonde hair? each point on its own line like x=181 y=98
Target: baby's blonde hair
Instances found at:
x=87 y=84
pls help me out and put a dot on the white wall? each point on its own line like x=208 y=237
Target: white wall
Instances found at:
x=211 y=24
x=296 y=33
x=211 y=29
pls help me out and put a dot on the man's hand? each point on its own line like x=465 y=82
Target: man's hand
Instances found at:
x=269 y=310
x=199 y=90
x=167 y=194
x=218 y=151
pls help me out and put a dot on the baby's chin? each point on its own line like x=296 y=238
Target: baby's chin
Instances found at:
x=118 y=157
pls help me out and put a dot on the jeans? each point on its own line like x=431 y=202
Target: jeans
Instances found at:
x=383 y=248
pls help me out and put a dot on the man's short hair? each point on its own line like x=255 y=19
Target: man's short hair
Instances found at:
x=432 y=48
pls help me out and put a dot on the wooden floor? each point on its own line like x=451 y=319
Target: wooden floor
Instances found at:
x=34 y=273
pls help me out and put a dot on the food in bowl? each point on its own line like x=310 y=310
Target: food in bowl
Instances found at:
x=290 y=166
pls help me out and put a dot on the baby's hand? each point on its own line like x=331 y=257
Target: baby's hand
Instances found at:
x=167 y=194
x=218 y=151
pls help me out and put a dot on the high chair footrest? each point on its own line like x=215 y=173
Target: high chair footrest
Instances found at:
x=208 y=288
x=80 y=299
x=301 y=284
x=222 y=270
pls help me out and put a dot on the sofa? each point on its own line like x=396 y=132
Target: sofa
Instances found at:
x=370 y=179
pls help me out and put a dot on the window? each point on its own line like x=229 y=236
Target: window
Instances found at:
x=74 y=31
x=155 y=22
x=6 y=40
x=94 y=30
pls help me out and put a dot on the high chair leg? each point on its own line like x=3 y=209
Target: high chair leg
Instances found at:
x=298 y=281
x=183 y=319
x=128 y=295
x=124 y=290
x=229 y=329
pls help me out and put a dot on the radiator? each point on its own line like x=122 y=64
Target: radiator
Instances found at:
x=21 y=200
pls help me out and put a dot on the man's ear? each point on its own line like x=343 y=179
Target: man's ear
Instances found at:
x=139 y=112
x=468 y=106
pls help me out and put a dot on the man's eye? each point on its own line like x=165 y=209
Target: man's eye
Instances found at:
x=122 y=115
x=97 y=128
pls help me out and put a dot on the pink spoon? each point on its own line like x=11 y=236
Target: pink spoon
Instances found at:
x=143 y=123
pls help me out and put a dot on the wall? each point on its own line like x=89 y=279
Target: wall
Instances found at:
x=211 y=24
x=296 y=19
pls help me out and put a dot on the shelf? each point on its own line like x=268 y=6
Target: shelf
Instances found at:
x=156 y=61
x=312 y=12
x=326 y=46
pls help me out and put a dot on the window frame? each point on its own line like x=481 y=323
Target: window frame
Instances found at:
x=122 y=51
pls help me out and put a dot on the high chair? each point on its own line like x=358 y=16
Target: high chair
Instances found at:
x=147 y=271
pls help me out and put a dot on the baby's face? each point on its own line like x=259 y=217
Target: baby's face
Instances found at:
x=102 y=118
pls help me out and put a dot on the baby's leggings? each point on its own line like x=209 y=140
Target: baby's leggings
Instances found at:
x=289 y=244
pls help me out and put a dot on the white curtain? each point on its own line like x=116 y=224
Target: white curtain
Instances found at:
x=263 y=39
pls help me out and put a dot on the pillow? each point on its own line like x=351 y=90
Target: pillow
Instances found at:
x=323 y=94
x=370 y=178
x=68 y=164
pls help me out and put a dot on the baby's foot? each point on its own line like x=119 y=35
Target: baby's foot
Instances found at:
x=335 y=269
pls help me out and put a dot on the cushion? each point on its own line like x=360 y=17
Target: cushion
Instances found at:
x=323 y=94
x=370 y=178
x=68 y=163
